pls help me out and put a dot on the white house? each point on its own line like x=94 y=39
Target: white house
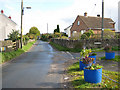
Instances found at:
x=119 y=16
x=67 y=31
x=6 y=26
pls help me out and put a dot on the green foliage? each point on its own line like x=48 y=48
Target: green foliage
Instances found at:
x=44 y=37
x=117 y=35
x=94 y=67
x=14 y=35
x=28 y=46
x=107 y=34
x=25 y=39
x=84 y=36
x=88 y=34
x=57 y=30
x=91 y=32
x=85 y=52
x=34 y=33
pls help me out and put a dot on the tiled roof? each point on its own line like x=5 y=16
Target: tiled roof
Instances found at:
x=68 y=27
x=96 y=22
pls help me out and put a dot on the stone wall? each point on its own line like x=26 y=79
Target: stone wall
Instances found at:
x=91 y=43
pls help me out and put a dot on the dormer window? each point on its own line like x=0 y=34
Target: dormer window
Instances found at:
x=78 y=23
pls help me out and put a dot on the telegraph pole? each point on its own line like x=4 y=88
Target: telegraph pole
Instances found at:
x=21 y=20
x=22 y=13
x=102 y=18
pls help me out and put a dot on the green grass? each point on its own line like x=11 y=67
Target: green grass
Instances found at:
x=61 y=48
x=116 y=48
x=6 y=56
x=77 y=78
x=117 y=58
x=28 y=46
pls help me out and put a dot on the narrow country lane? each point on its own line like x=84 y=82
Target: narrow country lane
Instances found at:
x=34 y=69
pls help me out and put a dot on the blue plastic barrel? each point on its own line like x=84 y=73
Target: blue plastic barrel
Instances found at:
x=93 y=76
x=82 y=65
x=109 y=55
x=94 y=59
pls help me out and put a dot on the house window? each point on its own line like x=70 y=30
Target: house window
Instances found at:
x=78 y=23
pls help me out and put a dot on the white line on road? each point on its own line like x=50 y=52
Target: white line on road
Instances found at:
x=70 y=55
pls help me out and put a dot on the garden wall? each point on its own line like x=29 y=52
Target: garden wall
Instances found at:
x=90 y=43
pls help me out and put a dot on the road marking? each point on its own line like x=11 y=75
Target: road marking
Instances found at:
x=70 y=55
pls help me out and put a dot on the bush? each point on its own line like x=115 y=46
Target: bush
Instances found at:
x=84 y=36
x=14 y=35
x=108 y=34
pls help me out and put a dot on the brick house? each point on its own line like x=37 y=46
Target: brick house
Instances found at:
x=85 y=23
x=6 y=26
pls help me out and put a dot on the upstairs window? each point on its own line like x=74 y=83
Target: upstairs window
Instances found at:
x=78 y=23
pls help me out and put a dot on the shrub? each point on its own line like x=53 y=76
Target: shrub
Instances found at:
x=107 y=34
x=84 y=36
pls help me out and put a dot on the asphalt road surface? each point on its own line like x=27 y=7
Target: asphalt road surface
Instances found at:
x=36 y=68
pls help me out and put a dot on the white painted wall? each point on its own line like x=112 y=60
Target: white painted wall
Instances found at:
x=67 y=31
x=6 y=26
x=119 y=16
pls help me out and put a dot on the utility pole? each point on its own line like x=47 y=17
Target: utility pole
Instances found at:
x=22 y=13
x=21 y=20
x=102 y=18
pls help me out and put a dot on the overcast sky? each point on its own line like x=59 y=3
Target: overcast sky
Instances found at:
x=53 y=12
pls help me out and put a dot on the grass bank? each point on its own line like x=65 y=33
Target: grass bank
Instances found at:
x=117 y=58
x=61 y=48
x=6 y=56
x=77 y=78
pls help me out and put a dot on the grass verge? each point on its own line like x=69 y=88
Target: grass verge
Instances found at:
x=117 y=58
x=77 y=78
x=61 y=48
x=6 y=56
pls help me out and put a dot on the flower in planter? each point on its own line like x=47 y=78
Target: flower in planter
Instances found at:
x=94 y=67
x=87 y=60
x=93 y=73
x=85 y=52
x=109 y=54
x=92 y=54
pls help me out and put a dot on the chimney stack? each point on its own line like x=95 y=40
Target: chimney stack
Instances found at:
x=85 y=14
x=2 y=11
x=9 y=17
x=98 y=15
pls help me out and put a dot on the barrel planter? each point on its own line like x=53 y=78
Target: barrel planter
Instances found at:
x=109 y=55
x=82 y=65
x=94 y=58
x=93 y=76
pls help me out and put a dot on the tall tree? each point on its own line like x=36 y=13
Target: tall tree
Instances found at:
x=58 y=29
x=34 y=32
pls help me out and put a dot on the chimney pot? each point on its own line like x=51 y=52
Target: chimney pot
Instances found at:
x=9 y=17
x=85 y=14
x=98 y=15
x=2 y=11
